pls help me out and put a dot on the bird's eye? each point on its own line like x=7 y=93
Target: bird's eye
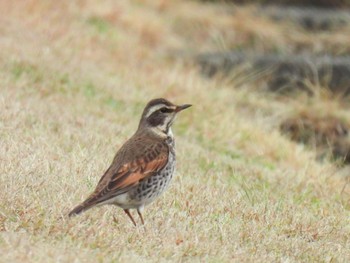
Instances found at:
x=165 y=110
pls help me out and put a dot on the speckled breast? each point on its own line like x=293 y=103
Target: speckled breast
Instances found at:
x=155 y=185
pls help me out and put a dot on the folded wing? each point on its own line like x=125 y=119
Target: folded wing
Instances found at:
x=126 y=172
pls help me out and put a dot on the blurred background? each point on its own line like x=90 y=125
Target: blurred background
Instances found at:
x=299 y=50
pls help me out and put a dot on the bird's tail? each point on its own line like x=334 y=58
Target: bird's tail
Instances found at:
x=77 y=210
x=87 y=204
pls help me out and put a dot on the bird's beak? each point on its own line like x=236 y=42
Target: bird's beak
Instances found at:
x=182 y=107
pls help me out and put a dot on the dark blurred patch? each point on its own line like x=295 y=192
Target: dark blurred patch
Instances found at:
x=312 y=18
x=328 y=134
x=283 y=73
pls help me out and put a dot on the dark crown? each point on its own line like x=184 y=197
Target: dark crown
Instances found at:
x=156 y=102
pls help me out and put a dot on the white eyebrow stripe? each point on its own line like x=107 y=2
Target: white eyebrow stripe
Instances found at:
x=157 y=107
x=154 y=109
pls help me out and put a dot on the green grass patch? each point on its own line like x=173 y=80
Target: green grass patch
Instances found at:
x=21 y=70
x=99 y=24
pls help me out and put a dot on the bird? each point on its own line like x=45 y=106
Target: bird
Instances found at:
x=144 y=165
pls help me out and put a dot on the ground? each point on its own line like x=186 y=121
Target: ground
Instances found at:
x=74 y=78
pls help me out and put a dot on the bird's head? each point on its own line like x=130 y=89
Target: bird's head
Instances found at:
x=159 y=115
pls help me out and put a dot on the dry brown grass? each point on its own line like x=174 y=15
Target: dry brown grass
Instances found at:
x=75 y=76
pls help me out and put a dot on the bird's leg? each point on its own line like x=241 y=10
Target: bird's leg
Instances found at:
x=140 y=215
x=130 y=216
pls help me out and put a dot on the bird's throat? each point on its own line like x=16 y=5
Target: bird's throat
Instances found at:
x=163 y=133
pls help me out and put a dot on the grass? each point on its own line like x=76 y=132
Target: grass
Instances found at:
x=74 y=79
